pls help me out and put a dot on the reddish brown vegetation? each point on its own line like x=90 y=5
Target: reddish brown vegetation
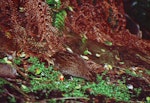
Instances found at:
x=26 y=25
x=104 y=21
x=29 y=24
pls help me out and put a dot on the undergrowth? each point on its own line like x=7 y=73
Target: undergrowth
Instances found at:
x=43 y=81
x=49 y=79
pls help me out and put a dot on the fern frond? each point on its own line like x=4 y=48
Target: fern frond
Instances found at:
x=59 y=19
x=55 y=4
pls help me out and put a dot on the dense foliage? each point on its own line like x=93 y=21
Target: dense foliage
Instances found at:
x=86 y=39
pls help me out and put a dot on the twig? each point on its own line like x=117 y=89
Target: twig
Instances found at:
x=69 y=98
x=20 y=72
x=143 y=58
x=15 y=87
x=146 y=80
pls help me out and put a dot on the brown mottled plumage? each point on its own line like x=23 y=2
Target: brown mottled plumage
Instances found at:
x=72 y=64
x=7 y=71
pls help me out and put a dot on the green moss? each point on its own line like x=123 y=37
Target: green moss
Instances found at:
x=17 y=61
x=148 y=72
x=119 y=92
x=2 y=83
x=133 y=73
x=46 y=80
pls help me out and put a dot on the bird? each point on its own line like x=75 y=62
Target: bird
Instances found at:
x=7 y=71
x=72 y=64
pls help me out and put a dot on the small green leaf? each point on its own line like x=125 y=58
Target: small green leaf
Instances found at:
x=17 y=61
x=148 y=99
x=78 y=87
x=108 y=43
x=7 y=61
x=70 y=8
x=38 y=71
x=87 y=52
x=84 y=39
x=24 y=88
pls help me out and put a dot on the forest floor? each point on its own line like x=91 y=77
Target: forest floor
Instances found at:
x=126 y=78
x=121 y=68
